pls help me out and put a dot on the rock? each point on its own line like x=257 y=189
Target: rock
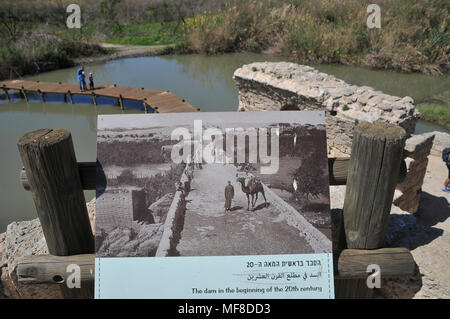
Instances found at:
x=25 y=238
x=91 y=211
x=417 y=149
x=441 y=141
x=3 y=259
x=418 y=144
x=407 y=99
x=140 y=240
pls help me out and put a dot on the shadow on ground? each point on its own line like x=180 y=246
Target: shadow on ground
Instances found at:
x=432 y=210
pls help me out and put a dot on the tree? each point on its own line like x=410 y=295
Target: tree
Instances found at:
x=12 y=17
x=309 y=177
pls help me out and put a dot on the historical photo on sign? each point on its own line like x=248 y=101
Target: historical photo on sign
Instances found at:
x=212 y=184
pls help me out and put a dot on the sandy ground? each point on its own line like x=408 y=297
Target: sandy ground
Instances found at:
x=430 y=245
x=207 y=226
x=124 y=51
x=426 y=234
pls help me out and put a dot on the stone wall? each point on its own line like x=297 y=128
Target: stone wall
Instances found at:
x=174 y=221
x=416 y=152
x=287 y=86
x=120 y=207
x=441 y=141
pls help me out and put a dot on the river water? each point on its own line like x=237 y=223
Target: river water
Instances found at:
x=204 y=81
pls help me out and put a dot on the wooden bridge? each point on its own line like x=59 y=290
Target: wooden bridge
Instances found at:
x=152 y=100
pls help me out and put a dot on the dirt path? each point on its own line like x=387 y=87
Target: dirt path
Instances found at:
x=209 y=230
x=433 y=218
x=124 y=51
x=427 y=235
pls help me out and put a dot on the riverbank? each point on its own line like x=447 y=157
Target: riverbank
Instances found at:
x=435 y=113
x=38 y=54
x=119 y=51
x=413 y=37
x=56 y=54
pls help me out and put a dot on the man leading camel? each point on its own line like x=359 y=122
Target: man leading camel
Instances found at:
x=229 y=194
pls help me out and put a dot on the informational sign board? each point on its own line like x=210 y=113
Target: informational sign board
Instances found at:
x=213 y=205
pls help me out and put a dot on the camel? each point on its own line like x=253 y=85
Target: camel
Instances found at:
x=253 y=188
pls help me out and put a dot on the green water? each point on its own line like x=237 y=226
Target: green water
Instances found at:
x=205 y=82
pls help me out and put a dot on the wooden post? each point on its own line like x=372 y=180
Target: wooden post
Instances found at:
x=70 y=96
x=24 y=94
x=145 y=105
x=42 y=95
x=374 y=167
x=51 y=167
x=94 y=98
x=121 y=101
x=6 y=93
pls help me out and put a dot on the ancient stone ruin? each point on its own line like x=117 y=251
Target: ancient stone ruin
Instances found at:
x=288 y=86
x=268 y=86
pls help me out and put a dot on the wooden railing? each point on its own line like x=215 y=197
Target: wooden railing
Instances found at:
x=371 y=174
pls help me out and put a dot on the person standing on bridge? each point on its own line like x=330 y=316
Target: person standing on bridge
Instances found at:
x=81 y=78
x=91 y=81
x=229 y=194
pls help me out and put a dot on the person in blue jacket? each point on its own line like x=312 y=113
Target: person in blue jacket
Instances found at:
x=81 y=78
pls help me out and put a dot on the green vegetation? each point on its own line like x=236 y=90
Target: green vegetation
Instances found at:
x=437 y=113
x=42 y=55
x=345 y=108
x=414 y=35
x=35 y=37
x=438 y=110
x=157 y=33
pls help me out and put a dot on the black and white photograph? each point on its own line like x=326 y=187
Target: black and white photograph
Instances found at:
x=212 y=184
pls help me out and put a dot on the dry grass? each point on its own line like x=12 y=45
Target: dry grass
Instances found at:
x=414 y=35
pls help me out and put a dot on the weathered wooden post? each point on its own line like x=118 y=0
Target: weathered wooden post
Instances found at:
x=94 y=98
x=372 y=176
x=70 y=96
x=52 y=171
x=42 y=95
x=24 y=94
x=121 y=101
x=145 y=105
x=6 y=93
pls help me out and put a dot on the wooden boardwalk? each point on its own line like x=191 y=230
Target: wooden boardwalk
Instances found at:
x=159 y=101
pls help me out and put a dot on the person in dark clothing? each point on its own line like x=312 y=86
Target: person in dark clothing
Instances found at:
x=447 y=181
x=81 y=78
x=91 y=81
x=229 y=194
x=446 y=159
